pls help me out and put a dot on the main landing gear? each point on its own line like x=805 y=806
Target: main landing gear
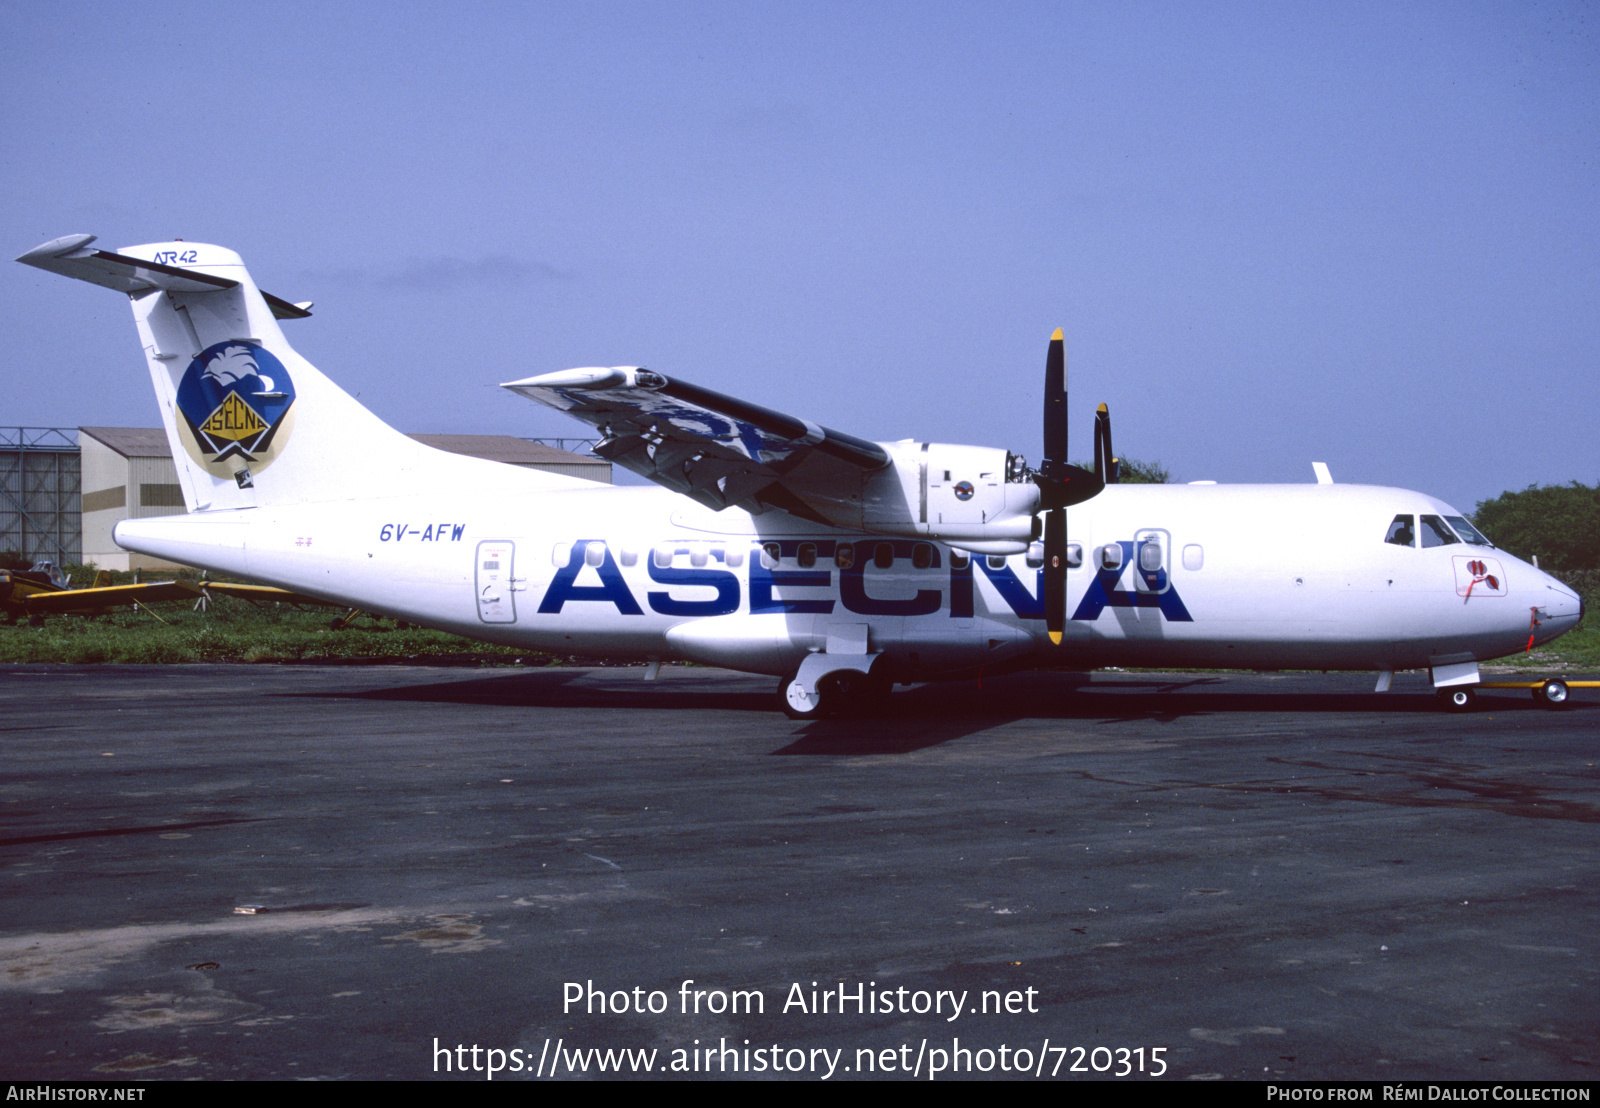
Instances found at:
x=842 y=692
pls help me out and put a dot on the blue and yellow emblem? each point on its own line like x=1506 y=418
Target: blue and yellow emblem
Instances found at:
x=235 y=404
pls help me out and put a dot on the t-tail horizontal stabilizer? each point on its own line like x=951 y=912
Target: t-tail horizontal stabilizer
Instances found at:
x=250 y=422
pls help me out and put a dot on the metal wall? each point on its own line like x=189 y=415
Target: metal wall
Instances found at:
x=39 y=490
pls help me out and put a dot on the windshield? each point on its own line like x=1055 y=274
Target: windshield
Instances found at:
x=1467 y=531
x=1435 y=533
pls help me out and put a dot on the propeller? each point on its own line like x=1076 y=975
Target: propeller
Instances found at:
x=1060 y=485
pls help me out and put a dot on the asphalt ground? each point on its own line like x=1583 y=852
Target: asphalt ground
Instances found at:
x=367 y=872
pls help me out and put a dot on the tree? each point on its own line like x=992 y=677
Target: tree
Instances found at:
x=1558 y=524
x=1131 y=471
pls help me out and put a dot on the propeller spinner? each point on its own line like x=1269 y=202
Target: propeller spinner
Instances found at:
x=1060 y=486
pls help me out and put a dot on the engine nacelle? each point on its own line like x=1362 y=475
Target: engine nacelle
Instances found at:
x=971 y=497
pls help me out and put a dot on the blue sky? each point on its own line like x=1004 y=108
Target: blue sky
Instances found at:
x=1361 y=233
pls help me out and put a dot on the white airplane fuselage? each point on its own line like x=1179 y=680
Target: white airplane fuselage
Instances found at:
x=1248 y=576
x=835 y=561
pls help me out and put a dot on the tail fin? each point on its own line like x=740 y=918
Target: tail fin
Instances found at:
x=250 y=422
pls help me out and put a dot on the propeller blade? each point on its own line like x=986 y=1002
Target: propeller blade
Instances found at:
x=1055 y=405
x=1055 y=574
x=1105 y=462
x=1060 y=484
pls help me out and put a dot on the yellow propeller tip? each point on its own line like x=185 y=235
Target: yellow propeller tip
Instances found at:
x=1055 y=637
x=1058 y=336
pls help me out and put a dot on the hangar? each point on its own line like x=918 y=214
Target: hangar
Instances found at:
x=39 y=483
x=62 y=490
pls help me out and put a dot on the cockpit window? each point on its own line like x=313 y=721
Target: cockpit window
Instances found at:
x=1467 y=531
x=1403 y=531
x=1435 y=533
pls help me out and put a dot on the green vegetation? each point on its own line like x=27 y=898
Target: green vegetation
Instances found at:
x=235 y=631
x=1558 y=524
x=1131 y=471
x=230 y=630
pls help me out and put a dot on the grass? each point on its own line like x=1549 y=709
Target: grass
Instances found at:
x=1578 y=649
x=236 y=631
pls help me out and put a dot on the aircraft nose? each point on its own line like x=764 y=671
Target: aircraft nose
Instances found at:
x=1559 y=609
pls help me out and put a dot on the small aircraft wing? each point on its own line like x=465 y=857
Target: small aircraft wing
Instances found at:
x=716 y=449
x=264 y=593
x=110 y=596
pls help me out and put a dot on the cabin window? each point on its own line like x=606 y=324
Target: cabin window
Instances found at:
x=561 y=554
x=1194 y=557
x=1150 y=555
x=661 y=556
x=921 y=556
x=883 y=555
x=734 y=558
x=844 y=555
x=1111 y=556
x=771 y=555
x=594 y=554
x=1035 y=557
x=808 y=555
x=1074 y=555
x=1403 y=531
x=698 y=556
x=630 y=557
x=997 y=562
x=960 y=559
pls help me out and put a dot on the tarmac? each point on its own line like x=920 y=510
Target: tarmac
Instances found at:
x=296 y=872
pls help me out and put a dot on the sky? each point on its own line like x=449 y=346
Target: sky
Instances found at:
x=1274 y=233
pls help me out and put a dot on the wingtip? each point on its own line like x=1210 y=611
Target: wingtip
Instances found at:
x=55 y=248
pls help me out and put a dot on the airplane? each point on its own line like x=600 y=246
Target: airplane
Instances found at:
x=775 y=545
x=45 y=589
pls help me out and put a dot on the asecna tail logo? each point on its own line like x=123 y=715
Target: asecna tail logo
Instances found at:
x=236 y=402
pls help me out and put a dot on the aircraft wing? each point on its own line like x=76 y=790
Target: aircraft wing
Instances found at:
x=717 y=449
x=257 y=593
x=110 y=596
